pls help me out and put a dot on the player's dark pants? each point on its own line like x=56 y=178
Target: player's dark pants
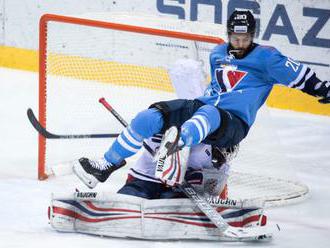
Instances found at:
x=231 y=131
x=149 y=190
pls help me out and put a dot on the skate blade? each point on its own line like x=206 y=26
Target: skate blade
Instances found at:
x=89 y=180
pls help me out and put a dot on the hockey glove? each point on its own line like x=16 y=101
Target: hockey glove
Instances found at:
x=323 y=90
x=209 y=181
x=325 y=100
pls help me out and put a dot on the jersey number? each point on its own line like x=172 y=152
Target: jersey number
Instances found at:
x=293 y=64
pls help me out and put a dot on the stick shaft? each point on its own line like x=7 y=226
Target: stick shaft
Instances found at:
x=122 y=121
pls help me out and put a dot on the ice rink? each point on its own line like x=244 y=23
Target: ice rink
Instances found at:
x=304 y=138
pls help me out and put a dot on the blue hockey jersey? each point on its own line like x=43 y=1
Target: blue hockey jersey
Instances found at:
x=241 y=86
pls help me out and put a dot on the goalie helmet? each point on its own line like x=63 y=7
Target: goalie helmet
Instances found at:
x=241 y=22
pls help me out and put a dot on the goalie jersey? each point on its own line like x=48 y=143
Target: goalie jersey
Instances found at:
x=200 y=158
x=241 y=86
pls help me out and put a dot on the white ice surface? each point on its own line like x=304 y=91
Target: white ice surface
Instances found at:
x=23 y=212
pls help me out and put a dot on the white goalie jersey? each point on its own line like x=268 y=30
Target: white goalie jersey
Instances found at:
x=200 y=160
x=144 y=168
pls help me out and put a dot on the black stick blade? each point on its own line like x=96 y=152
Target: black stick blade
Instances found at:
x=48 y=135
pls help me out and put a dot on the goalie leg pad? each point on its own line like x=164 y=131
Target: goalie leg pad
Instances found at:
x=149 y=190
x=127 y=216
x=141 y=188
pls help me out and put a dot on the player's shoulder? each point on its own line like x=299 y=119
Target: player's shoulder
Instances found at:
x=218 y=52
x=267 y=50
x=220 y=48
x=267 y=54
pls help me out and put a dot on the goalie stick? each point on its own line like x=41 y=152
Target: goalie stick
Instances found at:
x=48 y=135
x=232 y=233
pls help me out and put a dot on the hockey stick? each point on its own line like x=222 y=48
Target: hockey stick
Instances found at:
x=122 y=121
x=48 y=135
x=239 y=234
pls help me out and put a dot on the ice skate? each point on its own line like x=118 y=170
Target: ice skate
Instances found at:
x=92 y=172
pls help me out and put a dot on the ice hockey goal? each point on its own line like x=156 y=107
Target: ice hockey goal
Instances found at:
x=125 y=59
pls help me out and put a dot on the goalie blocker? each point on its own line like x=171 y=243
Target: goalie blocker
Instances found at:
x=127 y=216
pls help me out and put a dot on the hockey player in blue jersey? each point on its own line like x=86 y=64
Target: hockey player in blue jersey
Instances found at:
x=243 y=74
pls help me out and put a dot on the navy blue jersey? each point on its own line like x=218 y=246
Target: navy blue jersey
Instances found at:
x=241 y=86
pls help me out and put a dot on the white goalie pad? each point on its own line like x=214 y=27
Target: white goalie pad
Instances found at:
x=117 y=215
